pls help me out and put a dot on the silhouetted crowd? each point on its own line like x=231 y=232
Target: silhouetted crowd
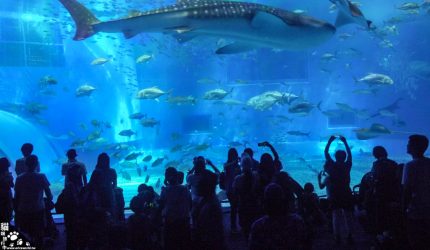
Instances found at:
x=270 y=208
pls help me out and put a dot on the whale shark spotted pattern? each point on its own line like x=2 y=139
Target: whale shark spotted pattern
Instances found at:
x=250 y=25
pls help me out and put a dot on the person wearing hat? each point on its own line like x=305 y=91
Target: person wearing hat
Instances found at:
x=74 y=171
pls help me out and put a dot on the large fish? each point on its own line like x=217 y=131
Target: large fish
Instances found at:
x=250 y=25
x=375 y=79
x=374 y=131
x=350 y=13
x=389 y=110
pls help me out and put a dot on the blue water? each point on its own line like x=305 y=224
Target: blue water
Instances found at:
x=36 y=41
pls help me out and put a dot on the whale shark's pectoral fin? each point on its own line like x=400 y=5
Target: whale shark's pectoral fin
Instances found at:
x=234 y=48
x=266 y=20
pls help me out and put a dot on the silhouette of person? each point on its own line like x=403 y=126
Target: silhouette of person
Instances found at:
x=98 y=207
x=366 y=202
x=339 y=188
x=271 y=171
x=74 y=171
x=416 y=198
x=269 y=160
x=143 y=228
x=209 y=229
x=255 y=163
x=279 y=228
x=20 y=167
x=138 y=224
x=103 y=181
x=75 y=179
x=385 y=187
x=195 y=179
x=175 y=201
x=231 y=170
x=6 y=185
x=311 y=212
x=245 y=187
x=310 y=202
x=30 y=205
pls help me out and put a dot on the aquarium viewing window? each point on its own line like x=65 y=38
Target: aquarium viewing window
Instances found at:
x=153 y=96
x=196 y=123
x=32 y=43
x=343 y=120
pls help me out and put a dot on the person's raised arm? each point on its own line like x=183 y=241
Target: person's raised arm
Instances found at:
x=327 y=148
x=274 y=152
x=348 y=149
x=216 y=170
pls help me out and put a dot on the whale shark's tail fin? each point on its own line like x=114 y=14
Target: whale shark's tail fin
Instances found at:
x=83 y=18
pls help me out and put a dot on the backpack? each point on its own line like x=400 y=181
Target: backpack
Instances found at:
x=74 y=174
x=88 y=199
x=385 y=180
x=67 y=200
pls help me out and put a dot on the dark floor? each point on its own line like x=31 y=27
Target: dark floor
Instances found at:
x=324 y=239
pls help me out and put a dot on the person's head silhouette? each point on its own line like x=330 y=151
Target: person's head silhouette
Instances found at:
x=233 y=155
x=309 y=188
x=380 y=152
x=340 y=156
x=4 y=165
x=71 y=154
x=246 y=163
x=249 y=151
x=142 y=188
x=171 y=176
x=199 y=164
x=274 y=203
x=103 y=161
x=267 y=166
x=417 y=145
x=27 y=149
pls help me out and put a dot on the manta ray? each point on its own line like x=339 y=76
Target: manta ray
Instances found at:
x=250 y=25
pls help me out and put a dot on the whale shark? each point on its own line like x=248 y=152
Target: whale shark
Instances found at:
x=250 y=25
